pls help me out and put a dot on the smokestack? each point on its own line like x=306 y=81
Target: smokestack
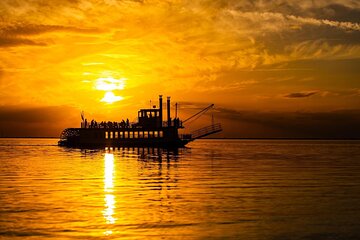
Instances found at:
x=160 y=108
x=168 y=111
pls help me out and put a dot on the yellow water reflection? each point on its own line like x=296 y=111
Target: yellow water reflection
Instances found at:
x=109 y=208
x=109 y=171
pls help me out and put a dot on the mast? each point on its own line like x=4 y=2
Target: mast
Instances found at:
x=160 y=109
x=168 y=112
x=176 y=109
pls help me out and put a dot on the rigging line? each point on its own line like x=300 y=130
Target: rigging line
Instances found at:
x=193 y=120
x=203 y=114
x=200 y=112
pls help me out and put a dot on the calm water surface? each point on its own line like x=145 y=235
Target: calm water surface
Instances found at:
x=215 y=189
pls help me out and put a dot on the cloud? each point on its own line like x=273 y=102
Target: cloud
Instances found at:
x=329 y=9
x=13 y=35
x=218 y=33
x=191 y=105
x=318 y=22
x=35 y=29
x=11 y=42
x=327 y=124
x=17 y=121
x=224 y=49
x=354 y=92
x=338 y=12
x=274 y=21
x=300 y=94
x=277 y=124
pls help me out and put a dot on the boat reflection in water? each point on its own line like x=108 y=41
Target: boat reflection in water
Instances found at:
x=149 y=176
x=109 y=171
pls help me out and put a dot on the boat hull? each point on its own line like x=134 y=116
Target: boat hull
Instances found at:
x=103 y=144
x=99 y=138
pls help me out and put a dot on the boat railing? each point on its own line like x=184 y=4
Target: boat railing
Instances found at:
x=69 y=132
x=185 y=137
x=173 y=123
x=205 y=131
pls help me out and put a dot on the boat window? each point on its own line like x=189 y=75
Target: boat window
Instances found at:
x=116 y=135
x=141 y=134
x=156 y=133
x=146 y=134
x=121 y=134
x=111 y=134
x=161 y=134
x=136 y=134
x=106 y=135
x=130 y=134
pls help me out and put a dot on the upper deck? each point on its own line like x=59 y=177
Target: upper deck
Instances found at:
x=148 y=119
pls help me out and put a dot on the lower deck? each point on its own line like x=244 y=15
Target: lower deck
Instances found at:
x=80 y=137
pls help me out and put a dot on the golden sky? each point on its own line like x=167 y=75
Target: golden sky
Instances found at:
x=272 y=68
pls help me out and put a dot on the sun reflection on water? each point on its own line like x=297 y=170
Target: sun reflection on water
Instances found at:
x=109 y=172
x=109 y=198
x=110 y=208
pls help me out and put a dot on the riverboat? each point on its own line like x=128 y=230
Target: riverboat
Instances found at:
x=149 y=131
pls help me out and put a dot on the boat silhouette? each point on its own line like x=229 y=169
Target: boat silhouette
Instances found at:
x=149 y=131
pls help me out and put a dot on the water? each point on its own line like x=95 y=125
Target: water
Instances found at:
x=232 y=189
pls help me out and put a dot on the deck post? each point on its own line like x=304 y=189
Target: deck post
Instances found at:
x=168 y=111
x=160 y=109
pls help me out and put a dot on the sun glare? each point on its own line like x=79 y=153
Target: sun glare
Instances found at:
x=110 y=97
x=110 y=83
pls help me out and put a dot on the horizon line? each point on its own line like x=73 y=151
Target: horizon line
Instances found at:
x=229 y=138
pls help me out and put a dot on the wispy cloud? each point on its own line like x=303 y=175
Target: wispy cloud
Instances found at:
x=300 y=94
x=10 y=42
x=20 y=34
x=36 y=121
x=337 y=24
x=275 y=21
x=327 y=124
x=23 y=29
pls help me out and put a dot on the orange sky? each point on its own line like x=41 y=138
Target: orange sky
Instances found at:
x=272 y=68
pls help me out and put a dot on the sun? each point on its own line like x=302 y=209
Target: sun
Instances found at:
x=109 y=84
x=110 y=97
